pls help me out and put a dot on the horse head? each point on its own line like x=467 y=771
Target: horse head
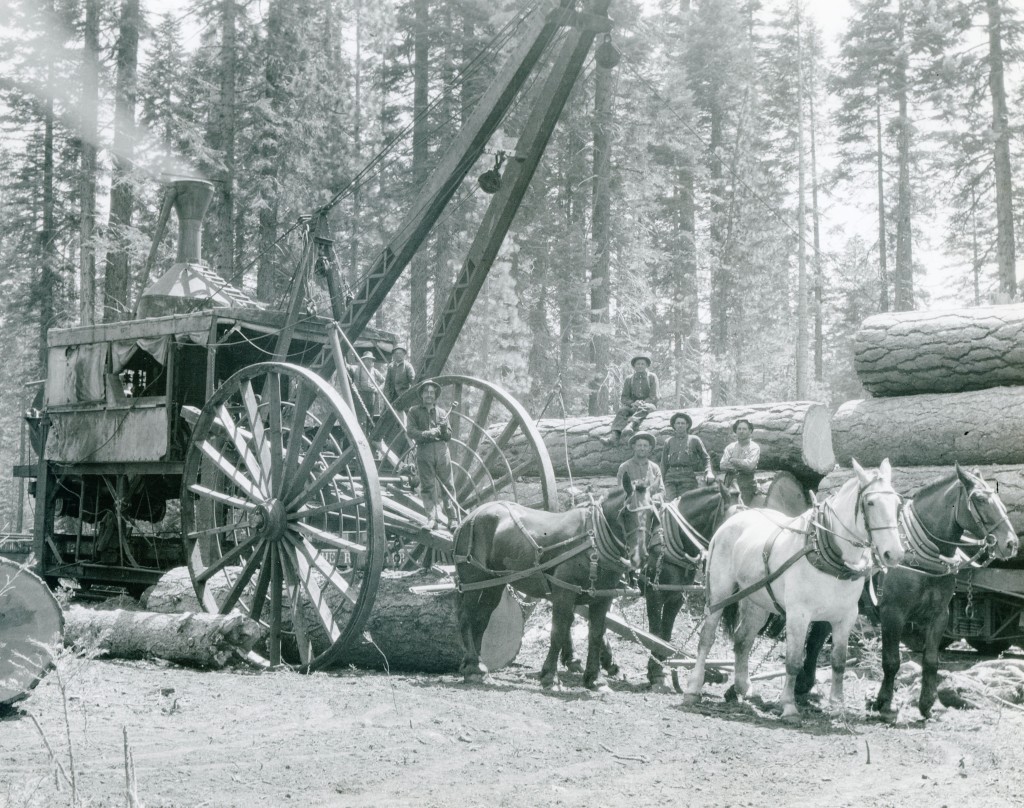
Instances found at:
x=877 y=506
x=984 y=515
x=631 y=515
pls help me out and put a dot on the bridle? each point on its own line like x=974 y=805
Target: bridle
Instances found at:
x=981 y=490
x=826 y=515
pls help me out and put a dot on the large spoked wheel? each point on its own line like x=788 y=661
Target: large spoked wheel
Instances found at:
x=496 y=451
x=281 y=510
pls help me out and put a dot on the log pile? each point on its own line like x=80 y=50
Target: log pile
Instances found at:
x=948 y=387
x=794 y=436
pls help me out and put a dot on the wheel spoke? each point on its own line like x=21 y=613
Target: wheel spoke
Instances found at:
x=219 y=530
x=317 y=598
x=241 y=443
x=296 y=430
x=252 y=409
x=315 y=558
x=259 y=595
x=495 y=485
x=276 y=435
x=275 y=608
x=326 y=476
x=225 y=560
x=455 y=416
x=478 y=426
x=328 y=538
x=298 y=623
x=231 y=471
x=335 y=508
x=313 y=455
x=224 y=499
x=239 y=585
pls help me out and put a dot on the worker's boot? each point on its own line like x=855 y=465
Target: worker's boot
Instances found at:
x=627 y=433
x=611 y=439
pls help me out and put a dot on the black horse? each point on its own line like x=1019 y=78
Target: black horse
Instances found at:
x=935 y=522
x=688 y=523
x=576 y=557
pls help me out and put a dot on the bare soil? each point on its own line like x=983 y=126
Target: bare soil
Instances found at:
x=354 y=738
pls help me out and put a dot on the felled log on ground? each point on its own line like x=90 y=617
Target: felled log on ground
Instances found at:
x=980 y=427
x=1008 y=480
x=197 y=640
x=909 y=352
x=419 y=630
x=794 y=436
x=31 y=626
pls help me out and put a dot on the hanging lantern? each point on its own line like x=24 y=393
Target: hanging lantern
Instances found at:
x=607 y=54
x=490 y=180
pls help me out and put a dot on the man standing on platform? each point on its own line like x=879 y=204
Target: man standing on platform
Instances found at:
x=367 y=382
x=400 y=376
x=638 y=400
x=429 y=428
x=740 y=459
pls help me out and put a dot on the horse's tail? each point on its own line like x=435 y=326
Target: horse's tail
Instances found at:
x=730 y=616
x=473 y=538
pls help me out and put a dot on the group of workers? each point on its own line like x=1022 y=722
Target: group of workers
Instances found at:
x=684 y=461
x=683 y=465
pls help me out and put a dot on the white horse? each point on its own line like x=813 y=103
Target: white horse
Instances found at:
x=808 y=568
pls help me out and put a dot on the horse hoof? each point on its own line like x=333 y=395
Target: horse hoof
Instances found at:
x=793 y=719
x=612 y=670
x=691 y=699
x=713 y=676
x=600 y=689
x=575 y=666
x=731 y=694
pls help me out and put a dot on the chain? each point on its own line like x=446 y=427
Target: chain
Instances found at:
x=969 y=609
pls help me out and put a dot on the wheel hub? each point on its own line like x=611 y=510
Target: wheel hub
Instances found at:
x=270 y=520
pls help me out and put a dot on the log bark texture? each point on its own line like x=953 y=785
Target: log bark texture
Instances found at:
x=910 y=352
x=197 y=640
x=419 y=631
x=1007 y=479
x=794 y=436
x=979 y=427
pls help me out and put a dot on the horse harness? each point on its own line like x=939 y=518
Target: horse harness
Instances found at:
x=819 y=549
x=597 y=540
x=675 y=552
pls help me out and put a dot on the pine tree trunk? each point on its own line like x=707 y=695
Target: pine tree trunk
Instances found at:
x=600 y=273
x=908 y=480
x=801 y=227
x=48 y=280
x=226 y=143
x=883 y=259
x=90 y=134
x=951 y=351
x=1005 y=245
x=269 y=151
x=932 y=429
x=819 y=278
x=122 y=197
x=904 y=275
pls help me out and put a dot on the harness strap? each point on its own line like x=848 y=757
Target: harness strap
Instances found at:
x=923 y=553
x=518 y=575
x=765 y=555
x=674 y=549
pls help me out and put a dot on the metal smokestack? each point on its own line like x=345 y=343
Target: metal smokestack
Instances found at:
x=191 y=201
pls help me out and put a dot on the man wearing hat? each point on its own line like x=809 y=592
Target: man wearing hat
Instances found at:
x=740 y=460
x=366 y=383
x=429 y=428
x=684 y=458
x=400 y=376
x=640 y=468
x=638 y=400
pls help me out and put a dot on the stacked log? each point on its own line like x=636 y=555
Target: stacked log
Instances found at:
x=794 y=436
x=906 y=353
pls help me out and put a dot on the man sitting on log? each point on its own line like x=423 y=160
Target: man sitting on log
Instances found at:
x=429 y=428
x=740 y=460
x=638 y=400
x=684 y=458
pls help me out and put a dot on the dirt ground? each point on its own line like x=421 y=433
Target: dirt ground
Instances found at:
x=356 y=738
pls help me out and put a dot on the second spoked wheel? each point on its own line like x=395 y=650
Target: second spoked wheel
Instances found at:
x=282 y=513
x=496 y=450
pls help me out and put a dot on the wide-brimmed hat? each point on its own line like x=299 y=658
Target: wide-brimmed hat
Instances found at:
x=429 y=383
x=645 y=436
x=683 y=416
x=638 y=357
x=367 y=355
x=401 y=348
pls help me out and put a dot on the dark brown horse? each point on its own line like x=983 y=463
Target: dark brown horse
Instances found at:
x=935 y=523
x=576 y=557
x=688 y=521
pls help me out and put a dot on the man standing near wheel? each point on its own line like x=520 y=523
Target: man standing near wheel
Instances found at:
x=430 y=429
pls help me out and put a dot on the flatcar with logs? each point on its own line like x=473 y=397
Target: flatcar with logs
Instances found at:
x=214 y=432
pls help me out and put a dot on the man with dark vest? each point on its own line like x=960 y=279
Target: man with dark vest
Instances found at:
x=400 y=376
x=684 y=460
x=431 y=431
x=638 y=400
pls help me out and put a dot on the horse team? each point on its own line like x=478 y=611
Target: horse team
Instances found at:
x=810 y=569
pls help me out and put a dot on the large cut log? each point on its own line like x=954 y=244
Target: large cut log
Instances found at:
x=908 y=352
x=979 y=427
x=794 y=436
x=414 y=627
x=197 y=640
x=31 y=626
x=1007 y=480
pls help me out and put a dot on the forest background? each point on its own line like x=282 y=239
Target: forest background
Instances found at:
x=734 y=197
